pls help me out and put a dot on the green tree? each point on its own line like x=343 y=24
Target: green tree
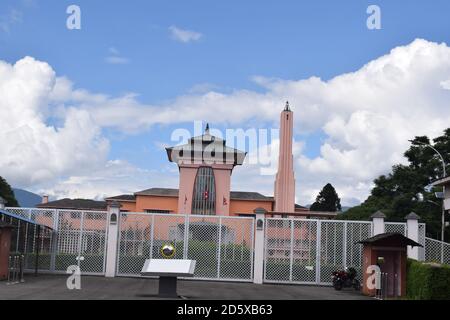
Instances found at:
x=7 y=193
x=327 y=200
x=404 y=189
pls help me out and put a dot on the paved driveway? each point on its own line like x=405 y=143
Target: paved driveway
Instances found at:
x=51 y=287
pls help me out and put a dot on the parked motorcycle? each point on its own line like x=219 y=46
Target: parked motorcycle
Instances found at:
x=345 y=279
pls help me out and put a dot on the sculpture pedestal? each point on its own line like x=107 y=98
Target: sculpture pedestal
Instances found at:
x=168 y=272
x=168 y=287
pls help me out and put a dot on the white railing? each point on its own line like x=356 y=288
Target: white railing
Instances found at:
x=76 y=237
x=308 y=251
x=222 y=246
x=437 y=251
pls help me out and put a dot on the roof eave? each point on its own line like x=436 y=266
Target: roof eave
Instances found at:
x=441 y=182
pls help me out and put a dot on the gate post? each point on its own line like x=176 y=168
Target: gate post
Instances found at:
x=113 y=232
x=258 y=265
x=378 y=222
x=55 y=239
x=412 y=227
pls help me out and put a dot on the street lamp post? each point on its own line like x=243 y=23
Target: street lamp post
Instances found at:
x=443 y=188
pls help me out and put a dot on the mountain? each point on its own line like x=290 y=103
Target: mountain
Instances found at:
x=27 y=199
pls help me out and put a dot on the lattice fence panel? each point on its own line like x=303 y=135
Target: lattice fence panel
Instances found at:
x=304 y=251
x=278 y=250
x=169 y=229
x=203 y=245
x=93 y=242
x=437 y=251
x=397 y=227
x=355 y=232
x=222 y=246
x=134 y=243
x=236 y=248
x=331 y=249
x=68 y=239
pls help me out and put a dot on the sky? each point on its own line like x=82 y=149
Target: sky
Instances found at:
x=87 y=112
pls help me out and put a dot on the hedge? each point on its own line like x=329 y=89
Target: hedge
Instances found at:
x=427 y=281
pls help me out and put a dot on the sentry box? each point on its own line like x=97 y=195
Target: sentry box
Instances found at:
x=168 y=271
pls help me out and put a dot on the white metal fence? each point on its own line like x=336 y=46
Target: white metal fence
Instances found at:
x=398 y=227
x=308 y=251
x=78 y=238
x=222 y=246
x=437 y=251
x=295 y=250
x=402 y=228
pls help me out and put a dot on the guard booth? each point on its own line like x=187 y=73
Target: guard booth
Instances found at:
x=5 y=245
x=22 y=241
x=388 y=251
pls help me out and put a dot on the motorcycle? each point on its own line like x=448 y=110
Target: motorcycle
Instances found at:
x=345 y=279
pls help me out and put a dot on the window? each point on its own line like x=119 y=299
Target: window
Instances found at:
x=204 y=198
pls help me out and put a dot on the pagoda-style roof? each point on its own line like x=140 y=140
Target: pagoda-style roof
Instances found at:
x=206 y=149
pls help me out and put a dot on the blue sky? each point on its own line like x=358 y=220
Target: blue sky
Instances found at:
x=238 y=40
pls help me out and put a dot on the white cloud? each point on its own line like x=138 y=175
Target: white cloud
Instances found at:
x=445 y=84
x=116 y=60
x=10 y=18
x=367 y=117
x=114 y=178
x=184 y=36
x=115 y=57
x=33 y=151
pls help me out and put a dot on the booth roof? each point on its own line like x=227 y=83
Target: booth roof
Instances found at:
x=393 y=239
x=17 y=217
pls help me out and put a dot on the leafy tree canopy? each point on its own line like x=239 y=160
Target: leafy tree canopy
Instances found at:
x=327 y=200
x=7 y=193
x=405 y=189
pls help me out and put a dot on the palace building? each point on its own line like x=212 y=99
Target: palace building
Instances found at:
x=206 y=166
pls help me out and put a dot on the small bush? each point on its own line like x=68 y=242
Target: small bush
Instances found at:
x=427 y=281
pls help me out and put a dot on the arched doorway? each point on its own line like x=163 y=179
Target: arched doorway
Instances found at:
x=204 y=198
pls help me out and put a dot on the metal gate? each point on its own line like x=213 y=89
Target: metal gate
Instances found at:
x=307 y=251
x=78 y=238
x=222 y=246
x=81 y=240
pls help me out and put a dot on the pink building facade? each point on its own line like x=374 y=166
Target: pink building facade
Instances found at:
x=206 y=165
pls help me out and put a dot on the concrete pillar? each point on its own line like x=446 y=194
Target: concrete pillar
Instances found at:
x=412 y=224
x=113 y=234
x=258 y=266
x=2 y=203
x=447 y=197
x=378 y=222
